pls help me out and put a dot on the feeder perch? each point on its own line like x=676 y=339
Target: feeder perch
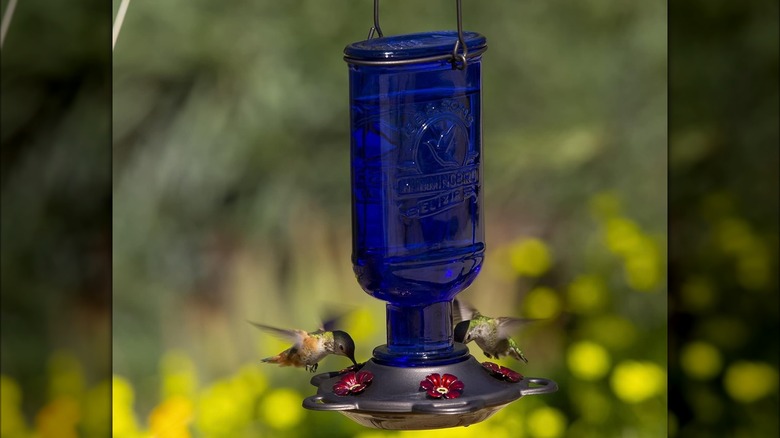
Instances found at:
x=418 y=237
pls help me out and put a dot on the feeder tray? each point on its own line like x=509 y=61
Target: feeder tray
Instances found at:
x=394 y=399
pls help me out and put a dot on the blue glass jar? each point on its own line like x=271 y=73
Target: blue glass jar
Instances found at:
x=416 y=149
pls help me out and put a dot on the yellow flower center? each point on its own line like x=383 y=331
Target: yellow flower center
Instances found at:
x=442 y=390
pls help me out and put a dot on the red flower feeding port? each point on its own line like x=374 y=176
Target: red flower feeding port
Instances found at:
x=446 y=386
x=353 y=383
x=502 y=372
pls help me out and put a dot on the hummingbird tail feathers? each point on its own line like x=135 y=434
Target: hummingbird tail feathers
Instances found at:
x=286 y=358
x=277 y=360
x=517 y=354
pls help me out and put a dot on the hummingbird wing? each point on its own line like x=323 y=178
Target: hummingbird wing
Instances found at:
x=332 y=319
x=294 y=336
x=508 y=325
x=462 y=311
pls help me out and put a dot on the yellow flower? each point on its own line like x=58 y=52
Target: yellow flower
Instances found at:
x=12 y=422
x=97 y=413
x=227 y=405
x=700 y=360
x=611 y=330
x=734 y=236
x=546 y=422
x=123 y=421
x=698 y=294
x=65 y=375
x=542 y=302
x=450 y=432
x=511 y=418
x=747 y=382
x=481 y=429
x=643 y=265
x=605 y=205
x=58 y=419
x=223 y=408
x=623 y=236
x=121 y=391
x=251 y=378
x=375 y=434
x=634 y=381
x=587 y=294
x=170 y=419
x=588 y=360
x=179 y=376
x=282 y=408
x=530 y=257
x=641 y=257
x=754 y=270
x=593 y=405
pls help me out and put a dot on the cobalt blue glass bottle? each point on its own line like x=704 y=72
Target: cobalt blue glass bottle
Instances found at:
x=416 y=149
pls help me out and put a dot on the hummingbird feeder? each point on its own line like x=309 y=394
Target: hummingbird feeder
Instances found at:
x=418 y=232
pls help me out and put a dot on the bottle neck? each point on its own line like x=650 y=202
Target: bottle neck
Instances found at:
x=420 y=335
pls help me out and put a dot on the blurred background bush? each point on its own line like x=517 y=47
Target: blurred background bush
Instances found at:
x=230 y=172
x=232 y=202
x=723 y=220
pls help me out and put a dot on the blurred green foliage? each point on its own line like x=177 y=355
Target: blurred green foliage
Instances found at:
x=723 y=149
x=55 y=236
x=231 y=202
x=723 y=275
x=230 y=172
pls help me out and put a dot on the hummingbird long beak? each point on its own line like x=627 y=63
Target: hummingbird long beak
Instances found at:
x=352 y=358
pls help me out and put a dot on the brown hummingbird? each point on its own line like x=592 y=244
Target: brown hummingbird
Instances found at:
x=310 y=347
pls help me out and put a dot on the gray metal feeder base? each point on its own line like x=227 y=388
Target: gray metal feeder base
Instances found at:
x=394 y=399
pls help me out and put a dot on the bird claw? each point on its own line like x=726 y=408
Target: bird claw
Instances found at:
x=352 y=368
x=312 y=368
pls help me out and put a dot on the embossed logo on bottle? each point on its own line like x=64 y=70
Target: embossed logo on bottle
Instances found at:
x=441 y=170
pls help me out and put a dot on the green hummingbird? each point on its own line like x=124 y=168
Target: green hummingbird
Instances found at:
x=490 y=334
x=310 y=347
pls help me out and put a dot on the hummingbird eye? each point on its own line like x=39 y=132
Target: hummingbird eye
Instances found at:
x=341 y=347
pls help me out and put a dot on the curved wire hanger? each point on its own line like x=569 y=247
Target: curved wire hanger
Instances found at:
x=458 y=59
x=120 y=19
x=8 y=15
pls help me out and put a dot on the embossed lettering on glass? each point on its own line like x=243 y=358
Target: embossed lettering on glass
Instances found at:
x=416 y=163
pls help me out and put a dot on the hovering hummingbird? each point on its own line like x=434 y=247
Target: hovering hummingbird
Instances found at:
x=310 y=348
x=490 y=334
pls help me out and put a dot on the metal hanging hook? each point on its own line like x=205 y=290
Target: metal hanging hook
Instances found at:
x=376 y=29
x=459 y=60
x=8 y=15
x=120 y=19
x=460 y=57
